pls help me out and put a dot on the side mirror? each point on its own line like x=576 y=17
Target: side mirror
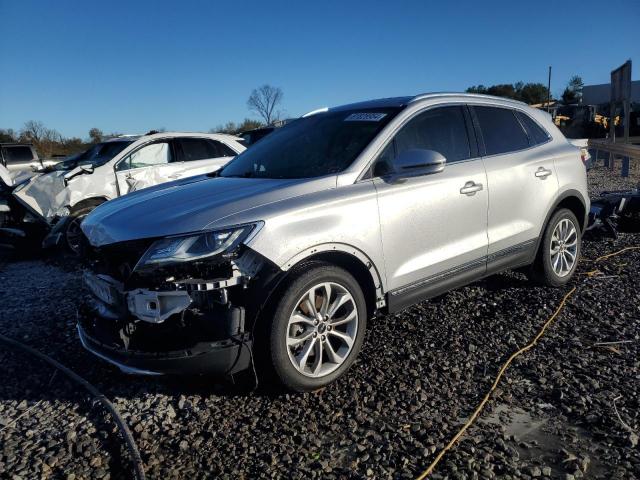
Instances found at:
x=417 y=162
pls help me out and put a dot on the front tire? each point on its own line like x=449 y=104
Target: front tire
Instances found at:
x=559 y=250
x=317 y=328
x=72 y=232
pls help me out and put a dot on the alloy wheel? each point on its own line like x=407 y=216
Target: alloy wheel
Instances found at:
x=74 y=233
x=322 y=329
x=564 y=247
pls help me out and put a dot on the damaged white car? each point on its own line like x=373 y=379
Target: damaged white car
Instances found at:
x=63 y=197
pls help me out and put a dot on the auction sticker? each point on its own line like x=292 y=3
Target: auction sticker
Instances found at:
x=365 y=117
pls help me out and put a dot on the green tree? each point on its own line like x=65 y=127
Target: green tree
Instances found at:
x=477 y=89
x=526 y=92
x=533 y=93
x=573 y=92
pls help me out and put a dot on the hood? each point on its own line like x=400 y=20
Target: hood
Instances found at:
x=188 y=205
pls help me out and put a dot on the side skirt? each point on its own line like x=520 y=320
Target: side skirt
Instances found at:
x=512 y=257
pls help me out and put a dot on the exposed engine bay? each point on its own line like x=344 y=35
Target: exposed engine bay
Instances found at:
x=193 y=312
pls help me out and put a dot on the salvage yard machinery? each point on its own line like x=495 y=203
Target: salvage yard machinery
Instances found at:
x=616 y=209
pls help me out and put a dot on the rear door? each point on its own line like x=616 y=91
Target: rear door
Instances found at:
x=433 y=227
x=521 y=179
x=195 y=156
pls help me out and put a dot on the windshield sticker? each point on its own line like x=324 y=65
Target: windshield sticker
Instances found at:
x=365 y=117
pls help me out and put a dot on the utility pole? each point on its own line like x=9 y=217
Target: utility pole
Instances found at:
x=549 y=90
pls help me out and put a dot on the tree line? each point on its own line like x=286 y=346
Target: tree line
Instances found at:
x=532 y=93
x=263 y=101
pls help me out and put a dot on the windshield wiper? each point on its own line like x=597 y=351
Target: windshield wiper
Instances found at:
x=248 y=174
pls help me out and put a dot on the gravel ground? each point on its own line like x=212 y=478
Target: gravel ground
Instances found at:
x=566 y=409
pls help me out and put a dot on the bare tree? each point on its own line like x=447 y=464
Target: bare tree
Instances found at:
x=264 y=100
x=96 y=135
x=33 y=131
x=46 y=140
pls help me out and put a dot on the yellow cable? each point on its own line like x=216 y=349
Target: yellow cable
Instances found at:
x=477 y=411
x=616 y=253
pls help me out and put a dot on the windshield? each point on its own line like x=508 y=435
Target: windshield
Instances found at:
x=322 y=144
x=95 y=156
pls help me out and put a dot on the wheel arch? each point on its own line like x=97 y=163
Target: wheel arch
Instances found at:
x=88 y=202
x=573 y=201
x=354 y=261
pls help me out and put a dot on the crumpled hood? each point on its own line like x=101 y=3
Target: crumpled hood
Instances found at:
x=188 y=205
x=45 y=194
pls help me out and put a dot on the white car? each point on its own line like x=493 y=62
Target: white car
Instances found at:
x=63 y=197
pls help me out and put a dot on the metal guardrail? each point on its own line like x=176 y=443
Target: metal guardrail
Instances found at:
x=626 y=151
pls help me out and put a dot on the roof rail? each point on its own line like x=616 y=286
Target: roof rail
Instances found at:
x=313 y=112
x=424 y=96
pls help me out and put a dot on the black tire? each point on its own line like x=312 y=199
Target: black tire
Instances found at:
x=282 y=368
x=72 y=230
x=542 y=271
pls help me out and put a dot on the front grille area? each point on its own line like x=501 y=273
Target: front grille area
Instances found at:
x=116 y=260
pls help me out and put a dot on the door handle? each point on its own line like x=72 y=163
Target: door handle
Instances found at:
x=470 y=188
x=542 y=173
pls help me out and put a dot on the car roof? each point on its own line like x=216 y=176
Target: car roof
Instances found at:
x=404 y=101
x=133 y=138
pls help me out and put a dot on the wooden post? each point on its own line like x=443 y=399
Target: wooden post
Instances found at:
x=627 y=119
x=625 y=166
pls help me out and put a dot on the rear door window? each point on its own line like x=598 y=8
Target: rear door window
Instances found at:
x=222 y=149
x=537 y=134
x=190 y=149
x=501 y=130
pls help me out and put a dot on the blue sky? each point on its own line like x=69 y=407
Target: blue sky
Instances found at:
x=133 y=66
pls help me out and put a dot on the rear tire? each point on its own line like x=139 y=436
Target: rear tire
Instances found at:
x=312 y=344
x=559 y=250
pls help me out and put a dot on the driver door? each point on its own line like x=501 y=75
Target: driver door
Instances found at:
x=145 y=167
x=433 y=227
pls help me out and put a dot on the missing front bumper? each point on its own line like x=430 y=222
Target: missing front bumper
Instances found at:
x=223 y=357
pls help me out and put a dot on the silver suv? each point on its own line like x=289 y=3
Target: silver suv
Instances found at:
x=279 y=259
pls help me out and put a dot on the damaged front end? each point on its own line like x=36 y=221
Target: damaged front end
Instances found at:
x=178 y=305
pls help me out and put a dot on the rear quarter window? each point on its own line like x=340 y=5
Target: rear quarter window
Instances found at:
x=501 y=130
x=537 y=134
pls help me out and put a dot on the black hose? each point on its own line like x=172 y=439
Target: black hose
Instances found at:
x=126 y=433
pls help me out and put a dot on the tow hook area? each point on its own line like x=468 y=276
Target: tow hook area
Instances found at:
x=156 y=307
